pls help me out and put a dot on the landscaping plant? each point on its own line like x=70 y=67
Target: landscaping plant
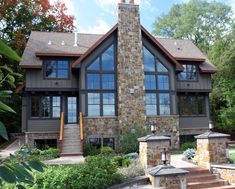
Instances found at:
x=189 y=153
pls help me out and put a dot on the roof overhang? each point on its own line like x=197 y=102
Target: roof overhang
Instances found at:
x=196 y=60
x=31 y=66
x=59 y=54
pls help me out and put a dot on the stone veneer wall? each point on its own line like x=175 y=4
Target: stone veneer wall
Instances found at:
x=211 y=150
x=150 y=152
x=31 y=136
x=101 y=128
x=226 y=172
x=130 y=66
x=167 y=126
x=166 y=182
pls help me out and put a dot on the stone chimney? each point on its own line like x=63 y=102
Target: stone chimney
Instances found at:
x=130 y=68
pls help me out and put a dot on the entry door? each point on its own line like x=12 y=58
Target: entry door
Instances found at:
x=72 y=109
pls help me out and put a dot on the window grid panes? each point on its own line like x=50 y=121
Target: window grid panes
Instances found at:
x=157 y=86
x=101 y=86
x=45 y=106
x=192 y=104
x=57 y=69
x=189 y=73
x=56 y=106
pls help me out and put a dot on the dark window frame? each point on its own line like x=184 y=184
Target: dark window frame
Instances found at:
x=189 y=80
x=158 y=91
x=56 y=78
x=197 y=96
x=101 y=141
x=101 y=91
x=50 y=117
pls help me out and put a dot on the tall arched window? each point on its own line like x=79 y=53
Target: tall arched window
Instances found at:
x=101 y=85
x=157 y=85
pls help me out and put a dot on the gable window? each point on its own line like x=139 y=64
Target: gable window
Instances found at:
x=189 y=73
x=56 y=69
x=101 y=85
x=45 y=106
x=192 y=104
x=156 y=85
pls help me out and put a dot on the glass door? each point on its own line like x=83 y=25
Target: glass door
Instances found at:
x=72 y=110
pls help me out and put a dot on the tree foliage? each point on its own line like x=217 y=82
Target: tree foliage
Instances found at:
x=19 y=17
x=211 y=27
x=201 y=21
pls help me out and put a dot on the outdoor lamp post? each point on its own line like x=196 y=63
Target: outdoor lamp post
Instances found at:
x=211 y=125
x=164 y=156
x=153 y=129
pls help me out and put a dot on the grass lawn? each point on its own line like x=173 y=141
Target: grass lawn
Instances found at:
x=232 y=154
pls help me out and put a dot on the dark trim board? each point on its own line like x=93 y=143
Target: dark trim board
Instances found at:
x=52 y=89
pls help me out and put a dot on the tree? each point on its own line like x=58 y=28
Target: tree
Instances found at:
x=19 y=17
x=198 y=20
x=15 y=170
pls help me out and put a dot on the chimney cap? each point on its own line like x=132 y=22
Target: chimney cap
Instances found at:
x=131 y=1
x=122 y=1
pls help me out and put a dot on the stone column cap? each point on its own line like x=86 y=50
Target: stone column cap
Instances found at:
x=153 y=138
x=210 y=134
x=163 y=170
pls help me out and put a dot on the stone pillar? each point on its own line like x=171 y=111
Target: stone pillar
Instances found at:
x=211 y=149
x=130 y=67
x=150 y=148
x=168 y=177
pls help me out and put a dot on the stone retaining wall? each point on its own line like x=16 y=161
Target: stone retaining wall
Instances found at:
x=227 y=172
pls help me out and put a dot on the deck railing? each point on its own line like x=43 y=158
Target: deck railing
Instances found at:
x=61 y=130
x=81 y=129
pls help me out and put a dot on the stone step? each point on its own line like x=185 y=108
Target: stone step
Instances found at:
x=206 y=184
x=200 y=178
x=197 y=171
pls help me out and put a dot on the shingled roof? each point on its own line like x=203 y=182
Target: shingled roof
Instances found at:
x=63 y=44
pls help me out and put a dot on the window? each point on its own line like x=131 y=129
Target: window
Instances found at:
x=101 y=104
x=45 y=143
x=45 y=106
x=156 y=85
x=101 y=85
x=57 y=69
x=189 y=73
x=99 y=142
x=192 y=104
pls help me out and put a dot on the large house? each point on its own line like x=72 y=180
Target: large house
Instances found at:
x=94 y=87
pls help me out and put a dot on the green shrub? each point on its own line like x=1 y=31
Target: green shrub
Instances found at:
x=106 y=150
x=232 y=157
x=128 y=141
x=189 y=153
x=52 y=152
x=133 y=170
x=90 y=150
x=35 y=151
x=188 y=145
x=96 y=173
x=121 y=161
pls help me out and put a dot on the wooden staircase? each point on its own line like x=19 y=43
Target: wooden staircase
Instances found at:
x=71 y=141
x=71 y=138
x=199 y=178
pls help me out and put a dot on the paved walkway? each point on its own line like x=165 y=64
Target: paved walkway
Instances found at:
x=65 y=160
x=11 y=149
x=176 y=161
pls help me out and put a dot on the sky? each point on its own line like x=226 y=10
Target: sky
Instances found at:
x=98 y=16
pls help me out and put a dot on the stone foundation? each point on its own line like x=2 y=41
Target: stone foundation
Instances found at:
x=31 y=136
x=169 y=182
x=167 y=126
